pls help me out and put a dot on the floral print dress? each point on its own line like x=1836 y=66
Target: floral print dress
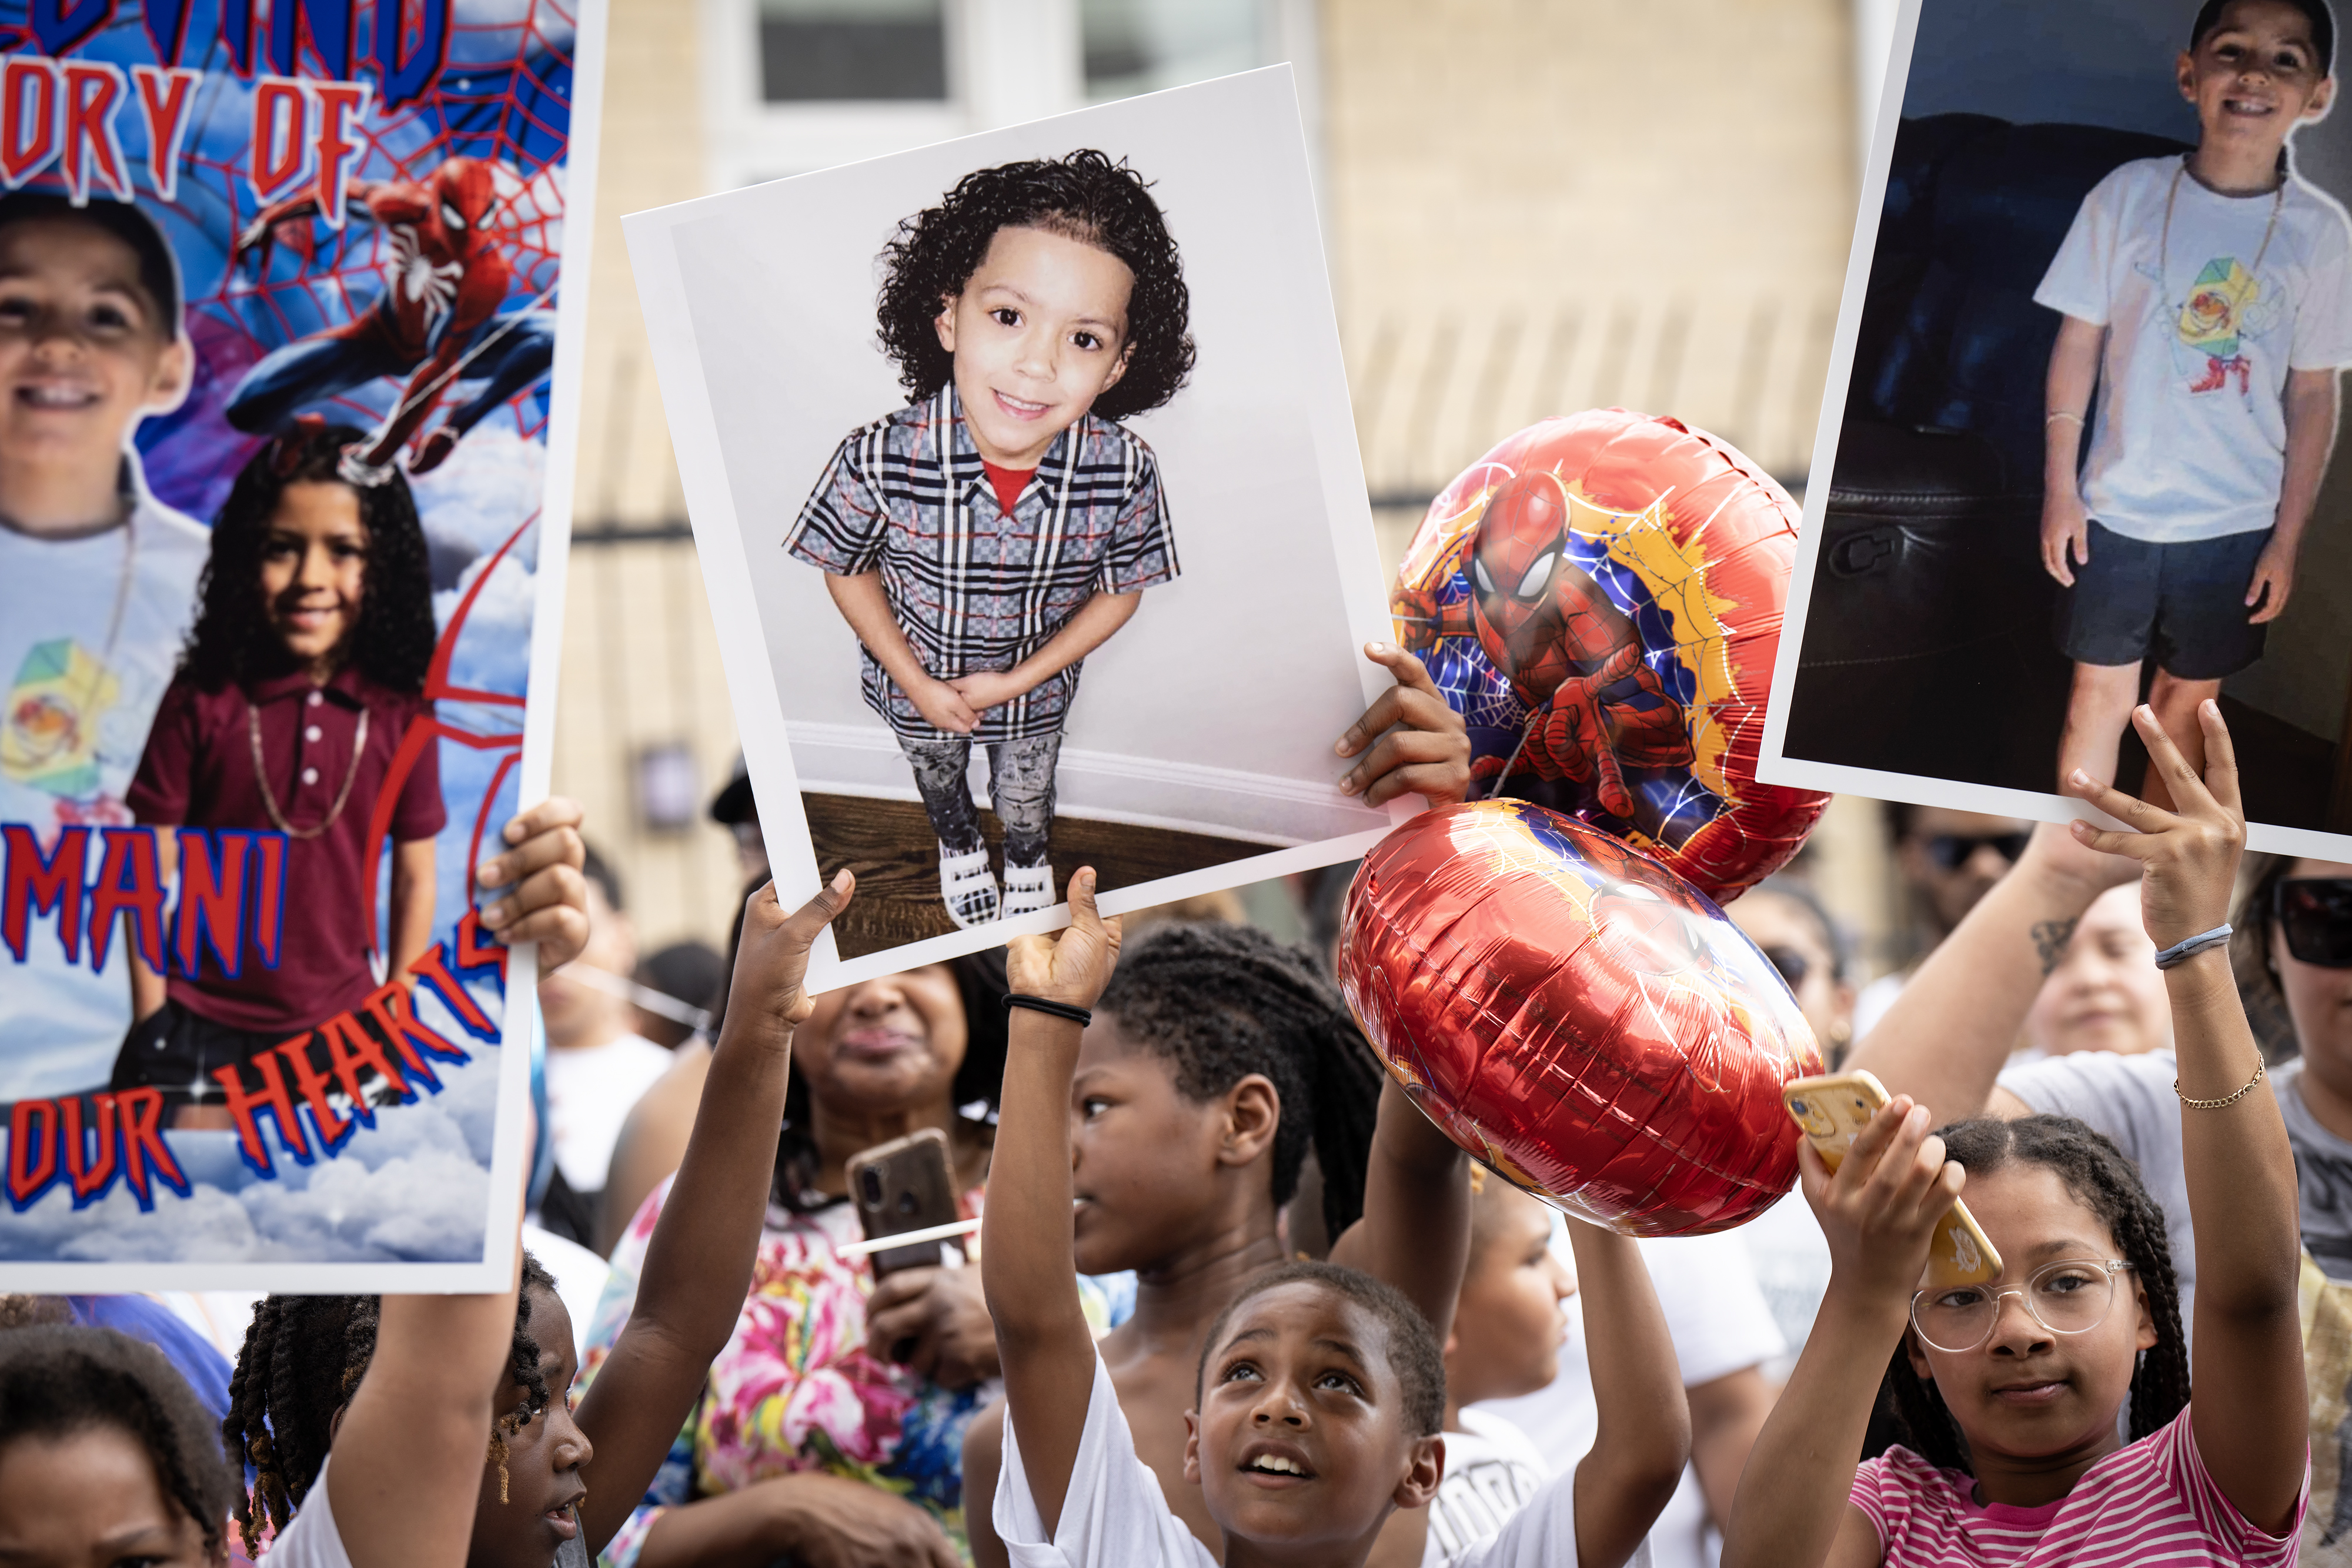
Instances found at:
x=794 y=1390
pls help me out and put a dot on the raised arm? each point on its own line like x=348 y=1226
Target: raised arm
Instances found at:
x=1415 y=1232
x=1644 y=1435
x=1957 y=1021
x=2246 y=1352
x=1026 y=1264
x=1794 y=1506
x=697 y=1266
x=1410 y=741
x=407 y=1462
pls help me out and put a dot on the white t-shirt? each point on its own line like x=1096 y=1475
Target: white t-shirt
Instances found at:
x=91 y=630
x=589 y=1091
x=310 y=1539
x=1114 y=1514
x=1720 y=1324
x=2191 y=441
x=1492 y=1472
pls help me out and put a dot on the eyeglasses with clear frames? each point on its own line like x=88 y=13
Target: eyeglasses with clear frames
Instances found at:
x=2069 y=1297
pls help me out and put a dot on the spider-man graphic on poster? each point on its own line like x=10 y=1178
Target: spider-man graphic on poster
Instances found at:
x=316 y=231
x=436 y=320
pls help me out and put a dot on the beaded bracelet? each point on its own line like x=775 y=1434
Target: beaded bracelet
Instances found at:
x=1076 y=1014
x=2181 y=952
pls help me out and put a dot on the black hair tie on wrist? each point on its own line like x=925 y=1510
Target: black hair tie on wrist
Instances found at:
x=1076 y=1015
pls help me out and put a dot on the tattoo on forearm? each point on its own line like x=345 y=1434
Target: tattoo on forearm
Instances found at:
x=2050 y=939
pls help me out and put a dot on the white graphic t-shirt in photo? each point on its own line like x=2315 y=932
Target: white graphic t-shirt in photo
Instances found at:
x=91 y=630
x=2207 y=310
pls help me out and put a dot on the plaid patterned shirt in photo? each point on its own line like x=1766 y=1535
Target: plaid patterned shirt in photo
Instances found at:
x=973 y=588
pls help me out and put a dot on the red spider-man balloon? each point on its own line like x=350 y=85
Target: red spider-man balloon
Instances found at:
x=1599 y=597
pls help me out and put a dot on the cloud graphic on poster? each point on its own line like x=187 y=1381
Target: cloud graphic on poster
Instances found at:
x=493 y=652
x=429 y=1205
x=491 y=482
x=206 y=1225
x=413 y=1189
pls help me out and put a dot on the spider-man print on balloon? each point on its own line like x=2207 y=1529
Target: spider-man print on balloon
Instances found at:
x=1600 y=598
x=436 y=318
x=1602 y=719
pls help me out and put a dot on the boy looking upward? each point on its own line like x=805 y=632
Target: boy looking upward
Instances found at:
x=97 y=579
x=2208 y=299
x=982 y=541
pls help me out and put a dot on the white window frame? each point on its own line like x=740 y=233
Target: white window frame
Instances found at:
x=1007 y=62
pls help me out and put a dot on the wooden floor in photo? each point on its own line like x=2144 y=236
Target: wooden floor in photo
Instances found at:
x=889 y=845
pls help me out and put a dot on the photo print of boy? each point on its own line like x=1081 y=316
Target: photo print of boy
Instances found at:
x=2076 y=436
x=1109 y=533
x=983 y=539
x=2207 y=306
x=97 y=578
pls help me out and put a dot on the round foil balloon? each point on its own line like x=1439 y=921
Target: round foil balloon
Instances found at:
x=1576 y=1016
x=1600 y=598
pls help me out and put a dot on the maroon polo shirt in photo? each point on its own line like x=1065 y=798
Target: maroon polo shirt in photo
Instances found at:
x=198 y=772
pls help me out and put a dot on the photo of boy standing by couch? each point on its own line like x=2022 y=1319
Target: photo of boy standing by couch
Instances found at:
x=2208 y=303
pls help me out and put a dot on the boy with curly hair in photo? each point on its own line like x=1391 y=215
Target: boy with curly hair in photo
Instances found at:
x=983 y=539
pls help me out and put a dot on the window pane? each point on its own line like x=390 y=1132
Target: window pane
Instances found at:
x=835 y=50
x=1142 y=45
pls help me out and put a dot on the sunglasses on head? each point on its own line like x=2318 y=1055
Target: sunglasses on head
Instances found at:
x=1953 y=851
x=2314 y=914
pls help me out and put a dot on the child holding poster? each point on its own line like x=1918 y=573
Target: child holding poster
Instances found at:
x=983 y=539
x=2208 y=299
x=305 y=670
x=96 y=576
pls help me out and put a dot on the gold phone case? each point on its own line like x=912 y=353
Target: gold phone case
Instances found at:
x=1831 y=1111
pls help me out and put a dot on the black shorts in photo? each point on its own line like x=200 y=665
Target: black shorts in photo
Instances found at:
x=2182 y=604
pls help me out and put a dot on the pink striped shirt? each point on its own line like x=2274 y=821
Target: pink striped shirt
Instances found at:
x=2148 y=1504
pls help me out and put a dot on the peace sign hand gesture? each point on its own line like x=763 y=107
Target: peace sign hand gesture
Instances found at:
x=2189 y=856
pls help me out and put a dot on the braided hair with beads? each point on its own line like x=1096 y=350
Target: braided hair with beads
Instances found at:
x=1220 y=1001
x=2095 y=1172
x=302 y=1359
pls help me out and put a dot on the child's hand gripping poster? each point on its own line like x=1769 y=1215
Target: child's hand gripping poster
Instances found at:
x=288 y=302
x=1026 y=490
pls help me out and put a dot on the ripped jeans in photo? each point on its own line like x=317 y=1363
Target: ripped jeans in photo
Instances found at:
x=1020 y=787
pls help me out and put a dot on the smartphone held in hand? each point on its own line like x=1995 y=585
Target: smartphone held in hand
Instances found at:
x=1832 y=1110
x=904 y=1185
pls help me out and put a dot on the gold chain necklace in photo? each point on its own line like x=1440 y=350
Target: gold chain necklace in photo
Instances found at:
x=269 y=799
x=2164 y=240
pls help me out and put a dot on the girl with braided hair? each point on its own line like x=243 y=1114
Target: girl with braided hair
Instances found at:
x=553 y=1478
x=2013 y=1393
x=1218 y=1060
x=106 y=1455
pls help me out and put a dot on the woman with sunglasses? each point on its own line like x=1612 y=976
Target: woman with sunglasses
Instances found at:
x=1946 y=1040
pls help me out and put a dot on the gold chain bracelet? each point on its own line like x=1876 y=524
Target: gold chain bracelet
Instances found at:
x=2218 y=1105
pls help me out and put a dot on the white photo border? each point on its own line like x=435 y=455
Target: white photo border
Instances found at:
x=1773 y=766
x=719 y=540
